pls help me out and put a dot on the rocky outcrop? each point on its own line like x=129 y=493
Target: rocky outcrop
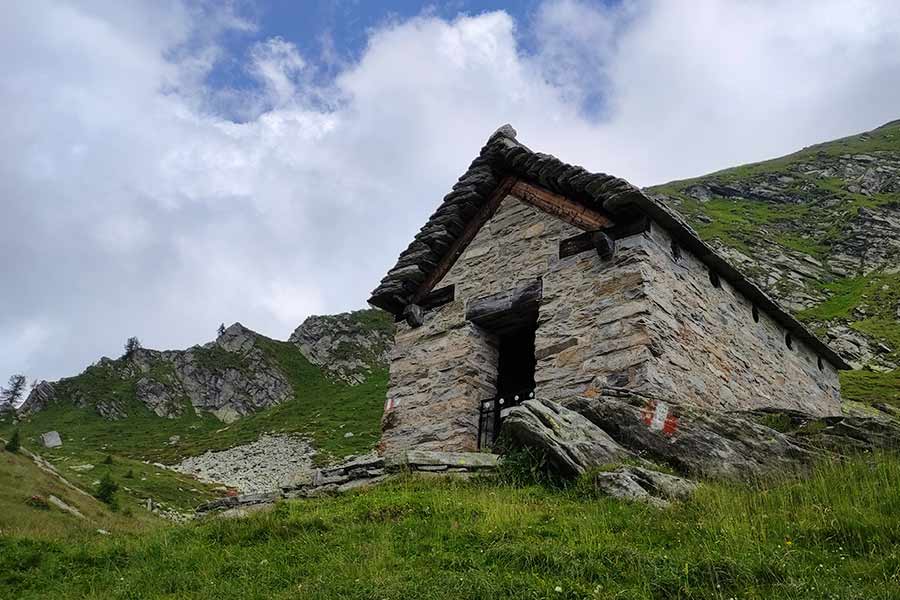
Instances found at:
x=158 y=397
x=644 y=431
x=229 y=378
x=38 y=399
x=697 y=443
x=261 y=466
x=571 y=443
x=347 y=345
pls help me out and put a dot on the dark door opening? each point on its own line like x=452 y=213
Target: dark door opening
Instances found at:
x=515 y=378
x=515 y=368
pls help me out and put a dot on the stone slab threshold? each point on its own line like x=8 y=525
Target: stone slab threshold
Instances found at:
x=361 y=472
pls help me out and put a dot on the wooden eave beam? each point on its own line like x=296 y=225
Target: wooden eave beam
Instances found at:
x=560 y=207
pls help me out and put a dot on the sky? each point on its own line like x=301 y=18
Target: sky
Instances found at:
x=170 y=165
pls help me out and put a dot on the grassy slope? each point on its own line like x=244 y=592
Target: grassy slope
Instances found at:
x=21 y=479
x=812 y=227
x=835 y=535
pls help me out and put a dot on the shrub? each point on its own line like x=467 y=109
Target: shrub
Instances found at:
x=108 y=460
x=524 y=466
x=38 y=502
x=14 y=442
x=129 y=474
x=106 y=490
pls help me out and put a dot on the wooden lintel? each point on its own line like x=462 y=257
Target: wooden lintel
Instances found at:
x=468 y=234
x=560 y=207
x=510 y=308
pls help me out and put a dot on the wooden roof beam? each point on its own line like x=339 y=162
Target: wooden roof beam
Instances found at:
x=560 y=207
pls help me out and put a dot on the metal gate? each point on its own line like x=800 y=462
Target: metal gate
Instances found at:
x=492 y=413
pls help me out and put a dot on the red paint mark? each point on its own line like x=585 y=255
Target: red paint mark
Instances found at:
x=670 y=426
x=659 y=416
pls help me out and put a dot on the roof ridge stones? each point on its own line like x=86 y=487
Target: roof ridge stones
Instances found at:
x=502 y=155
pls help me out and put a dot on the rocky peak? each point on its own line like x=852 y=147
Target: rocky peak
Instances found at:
x=40 y=396
x=237 y=338
x=347 y=345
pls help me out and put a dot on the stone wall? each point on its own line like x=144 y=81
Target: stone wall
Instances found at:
x=590 y=330
x=712 y=353
x=640 y=321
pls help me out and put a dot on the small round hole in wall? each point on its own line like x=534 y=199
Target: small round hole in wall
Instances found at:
x=821 y=364
x=755 y=312
x=714 y=279
x=788 y=341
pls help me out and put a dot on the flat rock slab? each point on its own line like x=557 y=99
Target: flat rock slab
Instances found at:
x=427 y=458
x=854 y=431
x=63 y=506
x=571 y=442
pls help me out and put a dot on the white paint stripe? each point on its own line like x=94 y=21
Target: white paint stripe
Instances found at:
x=659 y=416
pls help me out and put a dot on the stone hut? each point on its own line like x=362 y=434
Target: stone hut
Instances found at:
x=537 y=278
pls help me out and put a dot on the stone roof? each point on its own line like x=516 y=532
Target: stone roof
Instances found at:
x=503 y=156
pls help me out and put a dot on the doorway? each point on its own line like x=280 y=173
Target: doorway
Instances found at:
x=515 y=378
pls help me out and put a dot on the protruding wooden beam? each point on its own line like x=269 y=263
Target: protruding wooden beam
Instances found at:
x=605 y=245
x=560 y=207
x=585 y=241
x=414 y=315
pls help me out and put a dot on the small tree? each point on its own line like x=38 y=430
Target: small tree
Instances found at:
x=11 y=394
x=131 y=346
x=14 y=442
x=106 y=490
x=221 y=329
x=108 y=460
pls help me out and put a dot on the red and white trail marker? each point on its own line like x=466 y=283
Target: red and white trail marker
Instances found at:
x=659 y=416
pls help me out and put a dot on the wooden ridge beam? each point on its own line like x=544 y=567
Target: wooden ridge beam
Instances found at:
x=560 y=207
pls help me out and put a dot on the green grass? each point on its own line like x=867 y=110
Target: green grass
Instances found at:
x=834 y=535
x=21 y=479
x=870 y=386
x=867 y=303
x=217 y=358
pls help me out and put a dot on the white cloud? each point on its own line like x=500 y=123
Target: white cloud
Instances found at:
x=134 y=207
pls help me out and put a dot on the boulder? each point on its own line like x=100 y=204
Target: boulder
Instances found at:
x=693 y=441
x=51 y=439
x=643 y=485
x=571 y=443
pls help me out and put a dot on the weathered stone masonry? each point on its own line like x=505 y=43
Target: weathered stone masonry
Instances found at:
x=649 y=318
x=714 y=354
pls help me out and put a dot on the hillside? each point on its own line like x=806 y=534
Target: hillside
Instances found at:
x=820 y=231
x=163 y=406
